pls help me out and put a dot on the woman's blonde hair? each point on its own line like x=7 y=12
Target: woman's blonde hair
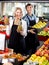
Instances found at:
x=17 y=8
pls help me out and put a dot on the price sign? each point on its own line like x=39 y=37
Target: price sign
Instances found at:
x=2 y=41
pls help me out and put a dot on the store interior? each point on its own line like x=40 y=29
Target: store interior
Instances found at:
x=41 y=56
x=40 y=8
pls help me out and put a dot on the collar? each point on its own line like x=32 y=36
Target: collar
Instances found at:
x=29 y=15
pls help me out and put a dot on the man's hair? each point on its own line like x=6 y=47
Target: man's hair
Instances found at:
x=28 y=5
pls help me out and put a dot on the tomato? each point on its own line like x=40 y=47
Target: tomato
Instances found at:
x=6 y=50
x=1 y=52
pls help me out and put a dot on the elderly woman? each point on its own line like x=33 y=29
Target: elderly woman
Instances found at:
x=18 y=33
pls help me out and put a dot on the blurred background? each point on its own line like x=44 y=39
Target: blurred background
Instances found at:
x=39 y=9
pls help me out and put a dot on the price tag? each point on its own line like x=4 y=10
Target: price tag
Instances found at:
x=11 y=60
x=4 y=60
x=2 y=41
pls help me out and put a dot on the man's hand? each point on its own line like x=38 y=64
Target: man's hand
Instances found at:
x=32 y=31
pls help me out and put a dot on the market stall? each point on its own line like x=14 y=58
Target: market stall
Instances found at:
x=41 y=56
x=44 y=34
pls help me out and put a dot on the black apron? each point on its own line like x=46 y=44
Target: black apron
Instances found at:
x=16 y=41
x=31 y=39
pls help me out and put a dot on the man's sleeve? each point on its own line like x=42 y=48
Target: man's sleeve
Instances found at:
x=26 y=19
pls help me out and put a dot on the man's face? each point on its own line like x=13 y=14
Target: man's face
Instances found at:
x=29 y=9
x=18 y=14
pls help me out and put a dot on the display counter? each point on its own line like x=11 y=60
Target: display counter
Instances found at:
x=42 y=38
x=41 y=56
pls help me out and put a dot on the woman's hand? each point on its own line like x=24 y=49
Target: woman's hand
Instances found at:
x=32 y=31
x=21 y=32
x=19 y=28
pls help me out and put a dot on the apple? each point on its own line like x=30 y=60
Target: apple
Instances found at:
x=48 y=63
x=42 y=53
x=37 y=59
x=33 y=56
x=43 y=47
x=47 y=57
x=42 y=59
x=46 y=48
x=38 y=53
x=45 y=29
x=40 y=49
x=46 y=51
x=46 y=44
x=45 y=62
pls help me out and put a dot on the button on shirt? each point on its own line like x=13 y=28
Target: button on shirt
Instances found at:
x=33 y=17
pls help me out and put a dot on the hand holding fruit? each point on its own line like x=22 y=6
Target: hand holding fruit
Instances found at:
x=19 y=28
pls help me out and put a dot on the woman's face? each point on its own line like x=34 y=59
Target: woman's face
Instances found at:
x=29 y=9
x=18 y=14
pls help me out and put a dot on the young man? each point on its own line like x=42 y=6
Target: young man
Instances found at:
x=30 y=16
x=31 y=38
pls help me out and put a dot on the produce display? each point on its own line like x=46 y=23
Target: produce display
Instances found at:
x=45 y=32
x=44 y=50
x=1 y=20
x=6 y=20
x=8 y=53
x=2 y=27
x=30 y=62
x=39 y=25
x=38 y=60
x=17 y=56
x=46 y=29
x=41 y=57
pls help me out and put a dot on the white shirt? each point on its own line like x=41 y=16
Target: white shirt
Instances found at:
x=24 y=27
